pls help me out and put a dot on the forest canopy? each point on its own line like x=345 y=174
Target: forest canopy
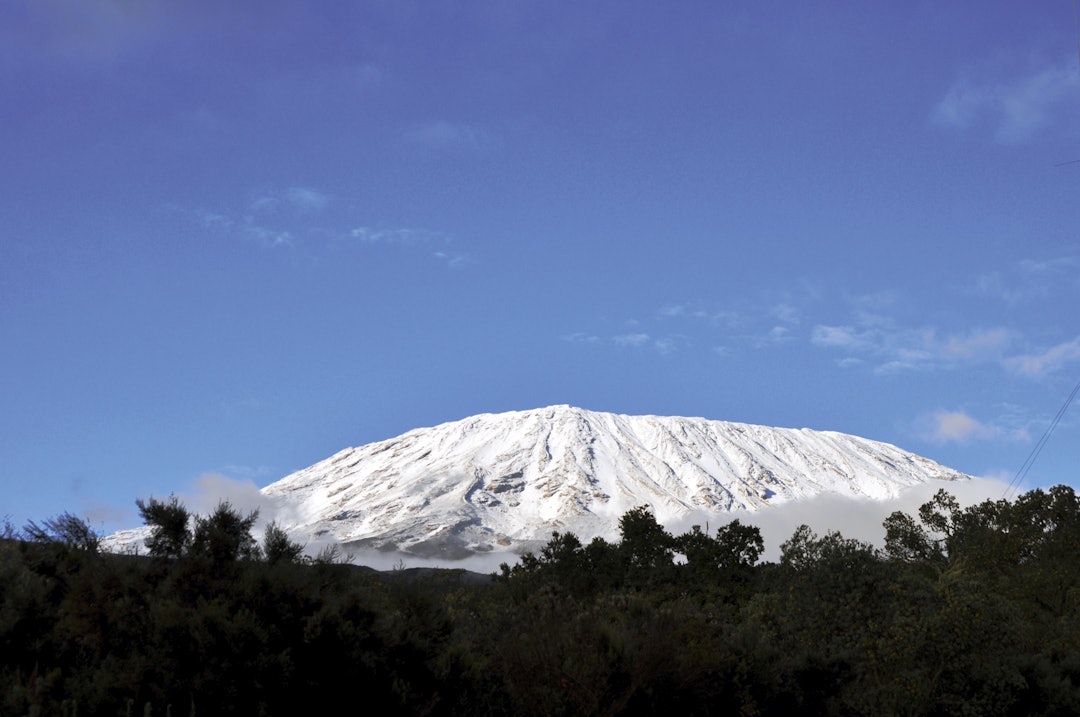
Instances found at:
x=965 y=610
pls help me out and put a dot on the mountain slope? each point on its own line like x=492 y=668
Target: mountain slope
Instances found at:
x=509 y=479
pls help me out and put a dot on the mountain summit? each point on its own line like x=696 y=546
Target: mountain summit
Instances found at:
x=507 y=480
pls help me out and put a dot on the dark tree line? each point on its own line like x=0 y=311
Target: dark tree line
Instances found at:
x=965 y=611
x=224 y=536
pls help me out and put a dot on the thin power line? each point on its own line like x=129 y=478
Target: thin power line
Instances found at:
x=1021 y=474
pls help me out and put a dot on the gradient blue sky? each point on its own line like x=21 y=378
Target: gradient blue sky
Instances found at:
x=239 y=237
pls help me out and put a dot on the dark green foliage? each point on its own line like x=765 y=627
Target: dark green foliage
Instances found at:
x=277 y=547
x=804 y=552
x=65 y=529
x=645 y=544
x=170 y=534
x=719 y=567
x=734 y=547
x=224 y=536
x=967 y=611
x=565 y=562
x=907 y=540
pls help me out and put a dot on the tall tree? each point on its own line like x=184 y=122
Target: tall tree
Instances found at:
x=277 y=548
x=170 y=535
x=645 y=543
x=224 y=536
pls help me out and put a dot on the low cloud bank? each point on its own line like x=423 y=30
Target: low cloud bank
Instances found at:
x=854 y=518
x=484 y=563
x=243 y=495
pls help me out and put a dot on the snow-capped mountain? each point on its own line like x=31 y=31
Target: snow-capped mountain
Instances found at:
x=507 y=480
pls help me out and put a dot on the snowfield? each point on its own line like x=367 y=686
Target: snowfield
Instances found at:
x=506 y=481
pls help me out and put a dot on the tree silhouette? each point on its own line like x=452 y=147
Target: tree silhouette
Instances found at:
x=277 y=547
x=224 y=536
x=65 y=529
x=169 y=534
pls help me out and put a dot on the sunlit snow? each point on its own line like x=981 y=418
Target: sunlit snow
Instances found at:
x=496 y=482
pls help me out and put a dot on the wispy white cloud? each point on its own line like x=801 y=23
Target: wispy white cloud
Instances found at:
x=786 y=313
x=756 y=325
x=401 y=236
x=786 y=308
x=891 y=349
x=680 y=326
x=264 y=223
x=266 y=236
x=1056 y=266
x=301 y=200
x=908 y=360
x=687 y=310
x=213 y=220
x=451 y=258
x=98 y=513
x=665 y=346
x=775 y=335
x=265 y=204
x=960 y=105
x=1045 y=361
x=896 y=348
x=246 y=228
x=780 y=333
x=212 y=488
x=1016 y=110
x=582 y=338
x=454 y=259
x=845 y=337
x=443 y=135
x=976 y=344
x=958 y=427
x=728 y=318
x=283 y=218
x=1029 y=280
x=873 y=336
x=306 y=199
x=638 y=339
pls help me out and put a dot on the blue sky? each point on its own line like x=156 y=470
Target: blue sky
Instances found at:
x=239 y=237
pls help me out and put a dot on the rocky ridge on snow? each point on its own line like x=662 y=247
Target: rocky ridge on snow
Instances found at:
x=506 y=481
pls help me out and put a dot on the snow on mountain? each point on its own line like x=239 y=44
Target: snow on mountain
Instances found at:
x=506 y=481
